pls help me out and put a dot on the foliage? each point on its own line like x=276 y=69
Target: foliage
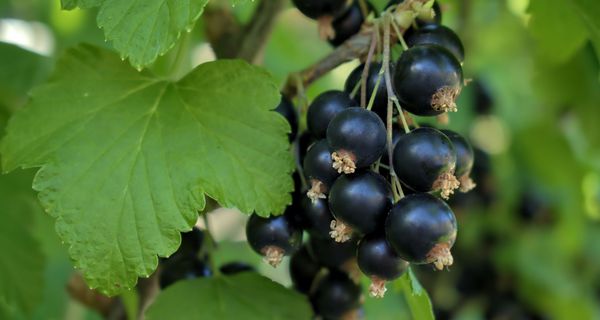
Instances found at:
x=127 y=158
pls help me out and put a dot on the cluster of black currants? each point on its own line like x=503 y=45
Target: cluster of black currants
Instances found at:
x=191 y=261
x=374 y=193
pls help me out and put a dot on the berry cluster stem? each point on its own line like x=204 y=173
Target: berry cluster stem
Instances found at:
x=396 y=188
x=365 y=73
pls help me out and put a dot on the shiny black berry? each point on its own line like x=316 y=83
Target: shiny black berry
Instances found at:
x=176 y=270
x=318 y=169
x=273 y=237
x=424 y=20
x=357 y=138
x=316 y=217
x=287 y=110
x=235 y=267
x=359 y=202
x=315 y=9
x=438 y=35
x=381 y=97
x=427 y=80
x=324 y=108
x=305 y=140
x=424 y=160
x=336 y=295
x=349 y=23
x=303 y=270
x=422 y=229
x=465 y=158
x=332 y=254
x=378 y=260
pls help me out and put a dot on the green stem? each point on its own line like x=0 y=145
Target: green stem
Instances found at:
x=211 y=245
x=179 y=63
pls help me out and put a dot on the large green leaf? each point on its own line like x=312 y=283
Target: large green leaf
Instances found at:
x=247 y=296
x=127 y=158
x=141 y=30
x=416 y=297
x=557 y=29
x=22 y=263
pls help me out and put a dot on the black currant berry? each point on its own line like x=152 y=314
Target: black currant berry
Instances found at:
x=176 y=270
x=349 y=23
x=333 y=254
x=378 y=260
x=305 y=140
x=425 y=18
x=422 y=229
x=465 y=158
x=316 y=217
x=483 y=100
x=357 y=138
x=235 y=267
x=425 y=160
x=315 y=9
x=324 y=108
x=359 y=202
x=438 y=35
x=318 y=170
x=273 y=237
x=381 y=97
x=336 y=295
x=303 y=270
x=287 y=110
x=428 y=79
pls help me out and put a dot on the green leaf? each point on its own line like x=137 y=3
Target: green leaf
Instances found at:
x=22 y=265
x=247 y=295
x=127 y=158
x=141 y=30
x=557 y=29
x=416 y=297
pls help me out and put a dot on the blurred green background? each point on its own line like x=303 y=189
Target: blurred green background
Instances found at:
x=529 y=235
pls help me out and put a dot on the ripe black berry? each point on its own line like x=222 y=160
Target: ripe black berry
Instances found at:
x=359 y=202
x=287 y=110
x=424 y=20
x=305 y=140
x=381 y=97
x=318 y=169
x=333 y=254
x=324 y=108
x=357 y=138
x=438 y=35
x=315 y=9
x=464 y=159
x=336 y=295
x=273 y=237
x=424 y=160
x=377 y=260
x=316 y=217
x=428 y=79
x=349 y=23
x=176 y=270
x=235 y=267
x=422 y=229
x=303 y=270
